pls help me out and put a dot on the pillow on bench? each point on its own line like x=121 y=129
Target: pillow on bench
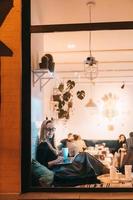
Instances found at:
x=41 y=174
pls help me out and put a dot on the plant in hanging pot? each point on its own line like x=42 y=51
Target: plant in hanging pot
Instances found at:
x=81 y=94
x=64 y=99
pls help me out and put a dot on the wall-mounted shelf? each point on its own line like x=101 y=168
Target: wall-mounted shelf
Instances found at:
x=43 y=76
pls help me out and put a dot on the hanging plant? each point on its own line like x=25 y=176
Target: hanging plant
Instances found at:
x=61 y=87
x=66 y=96
x=70 y=84
x=81 y=94
x=64 y=100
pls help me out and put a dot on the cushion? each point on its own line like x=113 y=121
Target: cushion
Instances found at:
x=42 y=173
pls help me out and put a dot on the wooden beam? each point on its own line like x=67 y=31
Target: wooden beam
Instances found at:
x=4 y=50
x=82 y=27
x=5 y=7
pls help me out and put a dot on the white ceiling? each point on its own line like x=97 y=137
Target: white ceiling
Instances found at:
x=113 y=49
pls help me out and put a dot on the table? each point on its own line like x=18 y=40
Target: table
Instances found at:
x=116 y=183
x=102 y=154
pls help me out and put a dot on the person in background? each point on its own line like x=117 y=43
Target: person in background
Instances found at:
x=70 y=144
x=80 y=144
x=120 y=152
x=128 y=157
x=121 y=143
x=130 y=141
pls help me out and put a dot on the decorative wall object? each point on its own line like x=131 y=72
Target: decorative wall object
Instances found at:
x=63 y=98
x=110 y=108
x=110 y=105
x=47 y=63
x=81 y=94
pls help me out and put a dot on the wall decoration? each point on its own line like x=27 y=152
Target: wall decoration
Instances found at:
x=81 y=94
x=110 y=105
x=63 y=98
x=110 y=127
x=47 y=62
x=110 y=108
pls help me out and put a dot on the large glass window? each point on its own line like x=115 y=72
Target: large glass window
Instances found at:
x=81 y=99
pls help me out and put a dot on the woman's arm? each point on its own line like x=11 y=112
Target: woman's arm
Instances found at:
x=55 y=151
x=55 y=162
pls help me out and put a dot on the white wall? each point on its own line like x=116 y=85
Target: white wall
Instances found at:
x=91 y=123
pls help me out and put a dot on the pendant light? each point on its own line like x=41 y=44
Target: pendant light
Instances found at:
x=90 y=64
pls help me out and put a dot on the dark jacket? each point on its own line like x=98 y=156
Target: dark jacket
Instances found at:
x=44 y=154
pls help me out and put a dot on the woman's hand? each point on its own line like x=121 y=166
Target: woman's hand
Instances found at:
x=60 y=152
x=56 y=161
x=51 y=147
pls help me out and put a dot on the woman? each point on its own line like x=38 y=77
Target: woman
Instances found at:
x=120 y=151
x=84 y=168
x=121 y=143
x=47 y=153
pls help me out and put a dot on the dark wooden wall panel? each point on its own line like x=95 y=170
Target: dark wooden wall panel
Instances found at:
x=10 y=116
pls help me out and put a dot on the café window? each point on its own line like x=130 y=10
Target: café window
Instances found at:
x=80 y=80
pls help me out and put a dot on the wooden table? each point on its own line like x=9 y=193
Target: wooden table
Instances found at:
x=116 y=183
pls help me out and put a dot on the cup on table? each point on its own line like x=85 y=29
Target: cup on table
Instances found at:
x=128 y=171
x=65 y=153
x=113 y=173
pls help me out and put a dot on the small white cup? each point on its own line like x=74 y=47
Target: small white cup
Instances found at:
x=113 y=173
x=128 y=172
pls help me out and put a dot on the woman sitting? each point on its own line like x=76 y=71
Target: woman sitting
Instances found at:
x=121 y=143
x=83 y=169
x=121 y=151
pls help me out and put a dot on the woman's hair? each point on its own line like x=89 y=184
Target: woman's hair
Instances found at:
x=48 y=121
x=70 y=137
x=43 y=131
x=76 y=137
x=52 y=140
x=122 y=135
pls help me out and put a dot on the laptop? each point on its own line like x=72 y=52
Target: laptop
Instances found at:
x=67 y=161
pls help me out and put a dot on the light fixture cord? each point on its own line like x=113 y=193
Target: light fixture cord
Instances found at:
x=90 y=30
